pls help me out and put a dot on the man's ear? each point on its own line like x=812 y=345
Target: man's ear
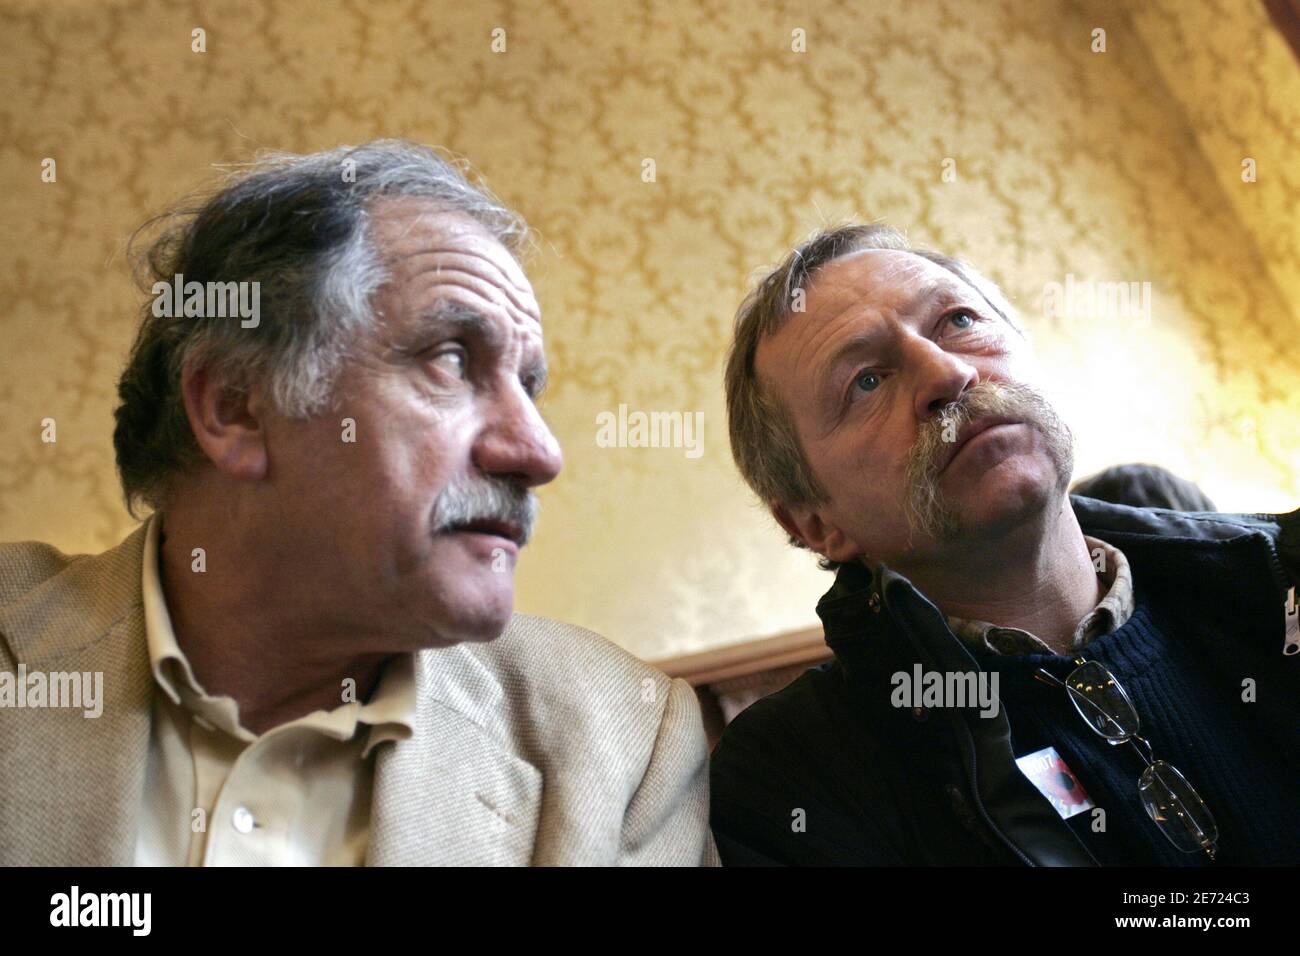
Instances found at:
x=804 y=524
x=226 y=421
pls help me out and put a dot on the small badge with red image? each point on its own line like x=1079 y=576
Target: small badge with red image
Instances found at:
x=1056 y=781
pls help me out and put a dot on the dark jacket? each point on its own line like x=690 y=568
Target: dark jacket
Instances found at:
x=894 y=786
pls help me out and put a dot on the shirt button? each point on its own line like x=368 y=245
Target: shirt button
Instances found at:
x=242 y=819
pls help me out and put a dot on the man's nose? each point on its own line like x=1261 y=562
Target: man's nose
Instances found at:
x=515 y=443
x=942 y=378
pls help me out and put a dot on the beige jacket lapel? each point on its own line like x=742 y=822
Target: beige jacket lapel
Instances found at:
x=71 y=788
x=454 y=794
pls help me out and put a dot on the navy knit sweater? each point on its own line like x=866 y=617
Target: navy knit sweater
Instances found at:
x=1186 y=682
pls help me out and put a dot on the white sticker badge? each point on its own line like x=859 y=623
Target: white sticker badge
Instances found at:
x=1292 y=643
x=1056 y=781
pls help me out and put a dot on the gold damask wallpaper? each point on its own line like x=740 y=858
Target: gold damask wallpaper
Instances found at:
x=665 y=151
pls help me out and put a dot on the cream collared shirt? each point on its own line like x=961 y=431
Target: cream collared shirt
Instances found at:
x=216 y=794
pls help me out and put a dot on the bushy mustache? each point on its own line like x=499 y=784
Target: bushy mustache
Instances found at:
x=927 y=512
x=469 y=500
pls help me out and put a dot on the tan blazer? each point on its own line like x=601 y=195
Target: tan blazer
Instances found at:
x=548 y=745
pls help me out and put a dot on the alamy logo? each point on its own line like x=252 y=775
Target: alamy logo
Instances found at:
x=208 y=300
x=922 y=688
x=37 y=689
x=651 y=430
x=1086 y=299
x=103 y=909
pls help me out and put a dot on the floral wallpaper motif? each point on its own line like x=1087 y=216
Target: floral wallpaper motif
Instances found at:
x=992 y=130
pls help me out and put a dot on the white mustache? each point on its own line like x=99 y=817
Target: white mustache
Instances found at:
x=466 y=501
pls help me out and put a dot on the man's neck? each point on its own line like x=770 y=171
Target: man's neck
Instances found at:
x=1038 y=577
x=247 y=635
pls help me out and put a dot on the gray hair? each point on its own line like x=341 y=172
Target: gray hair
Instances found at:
x=764 y=442
x=299 y=226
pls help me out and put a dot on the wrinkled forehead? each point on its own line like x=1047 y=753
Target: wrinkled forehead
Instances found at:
x=877 y=281
x=845 y=296
x=424 y=246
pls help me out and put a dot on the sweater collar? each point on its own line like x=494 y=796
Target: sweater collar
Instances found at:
x=862 y=610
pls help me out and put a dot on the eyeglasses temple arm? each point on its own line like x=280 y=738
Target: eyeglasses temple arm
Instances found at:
x=1056 y=681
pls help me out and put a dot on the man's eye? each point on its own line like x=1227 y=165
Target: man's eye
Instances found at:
x=962 y=320
x=867 y=381
x=452 y=360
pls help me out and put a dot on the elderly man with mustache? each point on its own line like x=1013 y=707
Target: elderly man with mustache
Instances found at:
x=308 y=650
x=1019 y=677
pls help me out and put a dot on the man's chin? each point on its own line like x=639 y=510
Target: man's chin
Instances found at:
x=482 y=616
x=476 y=628
x=1006 y=504
x=462 y=612
x=472 y=581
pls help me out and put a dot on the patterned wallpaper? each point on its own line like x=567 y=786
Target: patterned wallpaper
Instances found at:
x=1239 y=85
x=992 y=130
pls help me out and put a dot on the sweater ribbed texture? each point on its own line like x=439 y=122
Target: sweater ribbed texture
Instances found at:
x=1193 y=715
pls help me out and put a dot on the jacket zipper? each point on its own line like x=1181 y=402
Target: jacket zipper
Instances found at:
x=969 y=740
x=979 y=803
x=1275 y=562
